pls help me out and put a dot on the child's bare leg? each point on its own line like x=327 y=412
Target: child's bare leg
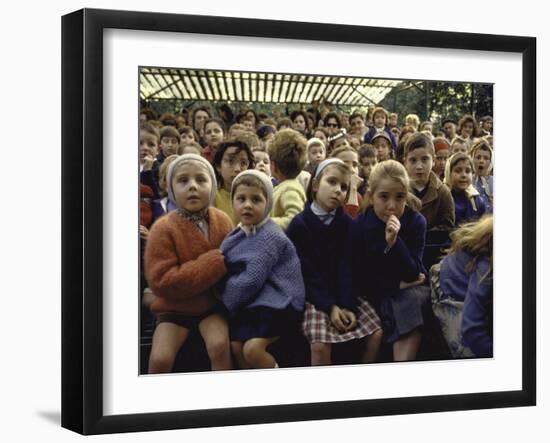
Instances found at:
x=255 y=354
x=168 y=338
x=373 y=346
x=407 y=346
x=321 y=354
x=237 y=349
x=215 y=333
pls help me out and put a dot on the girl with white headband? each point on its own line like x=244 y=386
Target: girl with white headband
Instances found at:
x=183 y=262
x=264 y=290
x=320 y=233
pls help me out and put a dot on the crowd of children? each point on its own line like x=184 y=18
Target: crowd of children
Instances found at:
x=325 y=225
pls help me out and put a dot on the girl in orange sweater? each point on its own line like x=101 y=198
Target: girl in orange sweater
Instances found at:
x=183 y=262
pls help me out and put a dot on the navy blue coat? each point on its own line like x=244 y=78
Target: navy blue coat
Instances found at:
x=376 y=273
x=464 y=210
x=324 y=254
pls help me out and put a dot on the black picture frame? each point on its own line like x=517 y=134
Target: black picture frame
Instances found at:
x=82 y=218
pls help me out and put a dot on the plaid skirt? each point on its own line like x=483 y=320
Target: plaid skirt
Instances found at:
x=317 y=327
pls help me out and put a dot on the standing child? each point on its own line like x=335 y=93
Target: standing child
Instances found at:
x=462 y=290
x=183 y=262
x=264 y=289
x=469 y=205
x=320 y=234
x=388 y=244
x=287 y=152
x=380 y=121
x=482 y=156
x=232 y=157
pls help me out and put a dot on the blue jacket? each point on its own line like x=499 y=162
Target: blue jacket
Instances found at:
x=377 y=273
x=158 y=209
x=475 y=289
x=467 y=209
x=325 y=257
x=372 y=132
x=262 y=270
x=484 y=186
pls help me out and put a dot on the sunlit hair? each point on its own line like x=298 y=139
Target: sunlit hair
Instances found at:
x=459 y=139
x=344 y=148
x=412 y=120
x=476 y=239
x=342 y=167
x=417 y=141
x=287 y=149
x=252 y=140
x=392 y=170
x=163 y=170
x=194 y=147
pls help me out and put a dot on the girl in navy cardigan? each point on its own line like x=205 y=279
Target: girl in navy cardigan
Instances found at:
x=264 y=289
x=321 y=236
x=469 y=206
x=388 y=243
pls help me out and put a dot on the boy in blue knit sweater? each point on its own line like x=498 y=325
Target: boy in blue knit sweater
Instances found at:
x=264 y=289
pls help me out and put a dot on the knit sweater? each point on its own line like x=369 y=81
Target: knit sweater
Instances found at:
x=288 y=201
x=263 y=270
x=324 y=255
x=223 y=203
x=181 y=265
x=377 y=271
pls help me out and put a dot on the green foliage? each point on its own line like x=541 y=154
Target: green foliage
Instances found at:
x=437 y=100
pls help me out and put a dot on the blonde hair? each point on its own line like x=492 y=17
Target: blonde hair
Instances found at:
x=412 y=118
x=393 y=170
x=287 y=149
x=476 y=239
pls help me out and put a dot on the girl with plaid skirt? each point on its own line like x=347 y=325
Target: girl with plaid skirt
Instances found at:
x=321 y=236
x=388 y=244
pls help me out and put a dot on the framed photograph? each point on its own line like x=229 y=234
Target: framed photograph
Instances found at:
x=118 y=64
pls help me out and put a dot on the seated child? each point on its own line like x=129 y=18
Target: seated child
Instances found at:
x=387 y=243
x=316 y=153
x=287 y=151
x=232 y=157
x=183 y=262
x=482 y=156
x=190 y=148
x=264 y=289
x=459 y=144
x=214 y=134
x=320 y=233
x=382 y=144
x=469 y=205
x=437 y=202
x=462 y=290
x=148 y=146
